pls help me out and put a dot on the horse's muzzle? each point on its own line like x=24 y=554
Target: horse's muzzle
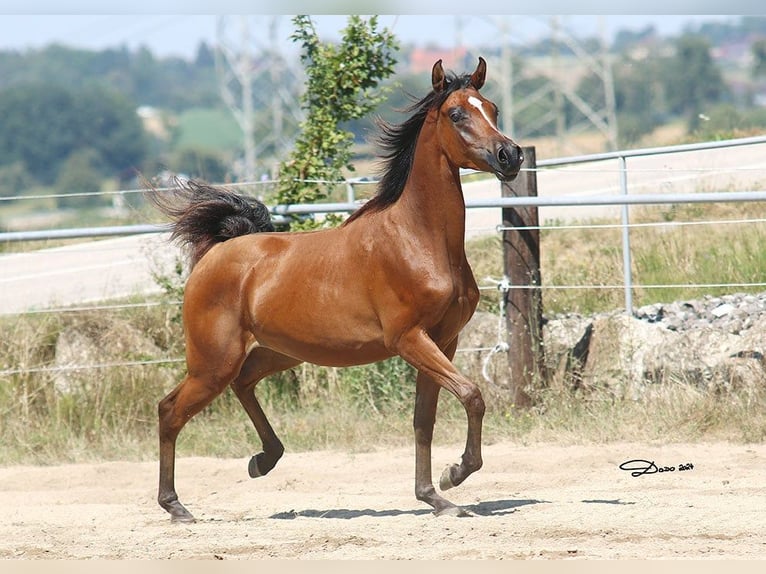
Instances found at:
x=508 y=158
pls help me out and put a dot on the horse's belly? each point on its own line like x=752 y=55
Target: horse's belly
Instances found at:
x=328 y=351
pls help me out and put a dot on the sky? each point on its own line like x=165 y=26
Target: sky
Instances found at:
x=179 y=33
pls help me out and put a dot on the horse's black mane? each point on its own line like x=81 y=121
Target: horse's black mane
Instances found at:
x=397 y=142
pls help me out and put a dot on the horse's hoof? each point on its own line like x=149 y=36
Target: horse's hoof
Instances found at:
x=453 y=511
x=445 y=482
x=178 y=512
x=183 y=518
x=252 y=469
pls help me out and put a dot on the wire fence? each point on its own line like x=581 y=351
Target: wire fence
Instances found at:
x=490 y=287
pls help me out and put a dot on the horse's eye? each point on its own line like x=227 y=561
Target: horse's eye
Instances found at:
x=456 y=114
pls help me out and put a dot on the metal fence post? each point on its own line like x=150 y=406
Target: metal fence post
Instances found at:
x=626 y=262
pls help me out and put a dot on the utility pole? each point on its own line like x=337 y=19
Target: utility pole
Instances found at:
x=275 y=72
x=558 y=96
x=235 y=66
x=506 y=80
x=242 y=60
x=602 y=116
x=603 y=119
x=611 y=104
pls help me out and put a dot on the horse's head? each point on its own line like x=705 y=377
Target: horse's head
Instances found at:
x=467 y=127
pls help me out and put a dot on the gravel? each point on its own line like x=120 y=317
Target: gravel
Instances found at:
x=728 y=313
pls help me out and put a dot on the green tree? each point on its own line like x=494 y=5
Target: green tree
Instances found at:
x=37 y=128
x=205 y=56
x=638 y=97
x=14 y=179
x=342 y=85
x=200 y=163
x=79 y=175
x=536 y=119
x=43 y=125
x=107 y=121
x=692 y=80
x=758 y=50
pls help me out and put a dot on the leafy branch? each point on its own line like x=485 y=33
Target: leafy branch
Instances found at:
x=342 y=85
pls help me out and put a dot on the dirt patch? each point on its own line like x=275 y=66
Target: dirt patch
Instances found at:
x=537 y=501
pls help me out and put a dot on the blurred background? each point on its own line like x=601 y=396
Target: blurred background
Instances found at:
x=87 y=101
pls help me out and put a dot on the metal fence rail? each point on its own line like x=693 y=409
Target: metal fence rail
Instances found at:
x=622 y=199
x=282 y=211
x=349 y=207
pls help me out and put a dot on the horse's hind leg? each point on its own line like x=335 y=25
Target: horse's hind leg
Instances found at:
x=259 y=364
x=175 y=410
x=215 y=353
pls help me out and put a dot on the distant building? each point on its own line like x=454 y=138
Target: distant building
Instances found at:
x=423 y=59
x=153 y=122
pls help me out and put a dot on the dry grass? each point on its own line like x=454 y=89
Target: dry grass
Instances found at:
x=110 y=413
x=668 y=255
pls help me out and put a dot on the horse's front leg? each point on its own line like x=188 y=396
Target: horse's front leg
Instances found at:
x=436 y=371
x=426 y=399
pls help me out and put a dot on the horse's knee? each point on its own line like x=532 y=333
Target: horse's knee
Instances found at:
x=473 y=401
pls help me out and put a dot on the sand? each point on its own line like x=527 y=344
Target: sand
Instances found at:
x=528 y=502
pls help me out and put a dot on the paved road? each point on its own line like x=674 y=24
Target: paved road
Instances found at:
x=83 y=273
x=119 y=267
x=727 y=169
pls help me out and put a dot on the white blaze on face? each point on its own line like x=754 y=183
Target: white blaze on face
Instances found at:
x=477 y=103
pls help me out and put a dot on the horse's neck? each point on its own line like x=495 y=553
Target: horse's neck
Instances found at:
x=433 y=197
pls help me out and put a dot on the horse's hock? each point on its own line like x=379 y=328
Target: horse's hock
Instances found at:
x=719 y=346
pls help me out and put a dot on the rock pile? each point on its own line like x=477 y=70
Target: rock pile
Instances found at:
x=95 y=340
x=728 y=313
x=712 y=343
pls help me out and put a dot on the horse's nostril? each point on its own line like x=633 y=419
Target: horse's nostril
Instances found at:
x=509 y=155
x=514 y=155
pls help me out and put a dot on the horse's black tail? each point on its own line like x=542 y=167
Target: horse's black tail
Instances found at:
x=204 y=215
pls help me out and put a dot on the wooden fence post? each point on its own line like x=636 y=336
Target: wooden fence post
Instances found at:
x=524 y=310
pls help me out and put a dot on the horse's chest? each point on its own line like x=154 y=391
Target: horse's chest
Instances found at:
x=463 y=302
x=452 y=299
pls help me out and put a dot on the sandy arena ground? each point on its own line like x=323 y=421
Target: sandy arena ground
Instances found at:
x=528 y=502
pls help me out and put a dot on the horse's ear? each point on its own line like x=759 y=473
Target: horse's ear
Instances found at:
x=437 y=77
x=478 y=77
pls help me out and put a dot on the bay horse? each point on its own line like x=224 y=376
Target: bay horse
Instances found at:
x=393 y=279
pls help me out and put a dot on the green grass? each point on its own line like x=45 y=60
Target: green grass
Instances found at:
x=202 y=128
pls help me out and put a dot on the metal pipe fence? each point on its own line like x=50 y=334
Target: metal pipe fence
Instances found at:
x=623 y=199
